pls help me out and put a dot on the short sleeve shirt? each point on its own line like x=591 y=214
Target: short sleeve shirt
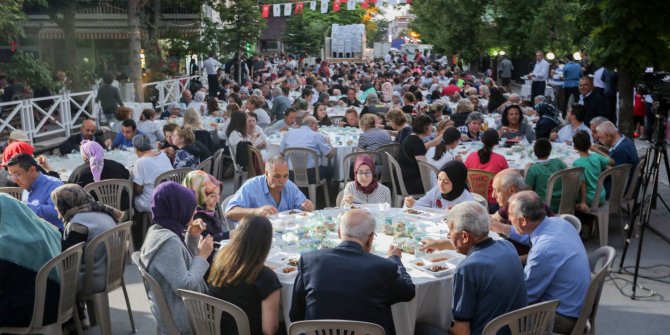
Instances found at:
x=254 y=193
x=593 y=165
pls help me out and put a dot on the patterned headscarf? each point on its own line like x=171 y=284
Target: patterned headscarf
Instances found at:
x=14 y=149
x=96 y=157
x=71 y=199
x=202 y=183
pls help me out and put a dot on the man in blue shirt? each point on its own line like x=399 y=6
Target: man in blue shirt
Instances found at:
x=307 y=137
x=268 y=194
x=37 y=187
x=557 y=265
x=124 y=139
x=571 y=74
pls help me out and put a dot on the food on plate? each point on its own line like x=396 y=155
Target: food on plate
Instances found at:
x=413 y=211
x=320 y=230
x=330 y=225
x=293 y=262
x=288 y=269
x=293 y=212
x=399 y=226
x=400 y=234
x=439 y=259
x=438 y=268
x=388 y=229
x=419 y=263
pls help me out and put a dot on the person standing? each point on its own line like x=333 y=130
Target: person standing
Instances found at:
x=211 y=65
x=571 y=74
x=539 y=75
x=505 y=69
x=109 y=97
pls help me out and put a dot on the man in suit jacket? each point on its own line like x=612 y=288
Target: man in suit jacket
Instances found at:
x=88 y=132
x=594 y=102
x=348 y=282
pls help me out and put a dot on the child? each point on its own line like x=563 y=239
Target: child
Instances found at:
x=594 y=164
x=538 y=174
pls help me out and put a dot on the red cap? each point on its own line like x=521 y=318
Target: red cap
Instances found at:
x=450 y=90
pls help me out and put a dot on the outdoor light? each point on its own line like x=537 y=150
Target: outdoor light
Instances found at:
x=577 y=55
x=551 y=56
x=502 y=53
x=496 y=53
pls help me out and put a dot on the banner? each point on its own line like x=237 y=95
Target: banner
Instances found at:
x=336 y=6
x=351 y=4
x=276 y=10
x=312 y=5
x=364 y=4
x=287 y=9
x=265 y=11
x=299 y=6
x=324 y=6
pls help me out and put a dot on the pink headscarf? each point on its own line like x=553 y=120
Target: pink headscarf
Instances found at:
x=96 y=157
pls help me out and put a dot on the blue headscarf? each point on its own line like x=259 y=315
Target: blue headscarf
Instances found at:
x=25 y=239
x=172 y=207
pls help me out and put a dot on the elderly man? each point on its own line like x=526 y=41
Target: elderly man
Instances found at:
x=594 y=102
x=307 y=137
x=88 y=130
x=557 y=265
x=575 y=118
x=350 y=100
x=268 y=194
x=185 y=100
x=621 y=148
x=124 y=139
x=24 y=171
x=289 y=121
x=490 y=281
x=371 y=284
x=173 y=111
x=373 y=105
x=280 y=103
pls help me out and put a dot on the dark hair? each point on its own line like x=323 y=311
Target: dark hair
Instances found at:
x=212 y=104
x=123 y=113
x=252 y=114
x=23 y=160
x=490 y=138
x=236 y=97
x=129 y=123
x=496 y=98
x=306 y=92
x=578 y=112
x=169 y=127
x=418 y=95
x=410 y=97
x=542 y=148
x=147 y=114
x=238 y=121
x=505 y=119
x=285 y=90
x=289 y=111
x=107 y=78
x=420 y=123
x=326 y=120
x=581 y=141
x=449 y=136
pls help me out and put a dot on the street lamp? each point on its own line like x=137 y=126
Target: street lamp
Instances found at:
x=551 y=56
x=502 y=53
x=577 y=56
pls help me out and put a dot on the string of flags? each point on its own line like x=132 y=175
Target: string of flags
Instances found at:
x=297 y=7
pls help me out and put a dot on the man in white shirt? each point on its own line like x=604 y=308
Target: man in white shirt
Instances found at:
x=211 y=65
x=540 y=75
x=575 y=118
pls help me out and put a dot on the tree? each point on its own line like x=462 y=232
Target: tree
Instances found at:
x=135 y=46
x=30 y=70
x=11 y=17
x=628 y=36
x=299 y=38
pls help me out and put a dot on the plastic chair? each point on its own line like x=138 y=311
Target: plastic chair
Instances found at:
x=338 y=201
x=535 y=319
x=217 y=164
x=393 y=149
x=632 y=193
x=478 y=198
x=587 y=316
x=206 y=165
x=110 y=192
x=240 y=175
x=114 y=242
x=573 y=220
x=222 y=211
x=204 y=313
x=176 y=175
x=342 y=327
x=479 y=182
x=255 y=159
x=428 y=175
x=570 y=180
x=67 y=264
x=336 y=120
x=151 y=285
x=299 y=158
x=15 y=192
x=399 y=189
x=619 y=177
x=350 y=158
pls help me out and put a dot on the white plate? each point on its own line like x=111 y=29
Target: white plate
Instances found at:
x=448 y=269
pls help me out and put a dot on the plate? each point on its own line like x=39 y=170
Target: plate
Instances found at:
x=425 y=213
x=295 y=213
x=439 y=269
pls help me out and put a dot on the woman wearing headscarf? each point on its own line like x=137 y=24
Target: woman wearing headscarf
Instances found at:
x=96 y=167
x=207 y=195
x=549 y=118
x=84 y=219
x=14 y=149
x=449 y=191
x=365 y=189
x=26 y=244
x=173 y=252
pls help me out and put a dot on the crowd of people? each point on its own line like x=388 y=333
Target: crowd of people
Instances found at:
x=426 y=107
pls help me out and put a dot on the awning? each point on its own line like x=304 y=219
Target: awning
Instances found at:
x=121 y=33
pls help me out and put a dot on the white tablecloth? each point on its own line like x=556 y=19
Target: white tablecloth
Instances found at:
x=66 y=164
x=344 y=140
x=432 y=303
x=520 y=155
x=526 y=92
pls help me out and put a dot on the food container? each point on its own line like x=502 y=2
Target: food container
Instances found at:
x=287 y=271
x=439 y=269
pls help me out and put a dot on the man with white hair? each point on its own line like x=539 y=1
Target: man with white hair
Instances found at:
x=621 y=148
x=489 y=282
x=280 y=103
x=348 y=282
x=307 y=137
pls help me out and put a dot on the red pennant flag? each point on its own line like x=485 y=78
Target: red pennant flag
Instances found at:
x=409 y=2
x=299 y=7
x=364 y=4
x=265 y=11
x=336 y=6
x=372 y=1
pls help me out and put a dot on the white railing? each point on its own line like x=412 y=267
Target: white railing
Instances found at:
x=61 y=115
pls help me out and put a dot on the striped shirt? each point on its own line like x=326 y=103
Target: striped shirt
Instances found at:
x=464 y=131
x=380 y=195
x=372 y=139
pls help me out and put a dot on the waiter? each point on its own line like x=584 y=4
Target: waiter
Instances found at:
x=539 y=76
x=211 y=65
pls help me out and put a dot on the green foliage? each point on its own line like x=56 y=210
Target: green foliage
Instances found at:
x=299 y=38
x=241 y=24
x=11 y=17
x=24 y=67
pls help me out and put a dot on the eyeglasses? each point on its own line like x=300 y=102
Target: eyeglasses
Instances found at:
x=14 y=176
x=365 y=173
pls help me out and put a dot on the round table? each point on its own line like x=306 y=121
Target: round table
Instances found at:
x=295 y=234
x=64 y=165
x=520 y=155
x=343 y=140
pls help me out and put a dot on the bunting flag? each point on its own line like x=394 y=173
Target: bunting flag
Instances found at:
x=276 y=10
x=312 y=5
x=324 y=6
x=265 y=11
x=336 y=6
x=351 y=4
x=365 y=4
x=287 y=9
x=299 y=6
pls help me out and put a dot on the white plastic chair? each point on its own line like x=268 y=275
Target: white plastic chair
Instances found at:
x=537 y=319
x=341 y=327
x=204 y=313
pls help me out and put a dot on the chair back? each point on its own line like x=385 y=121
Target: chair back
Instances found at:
x=631 y=193
x=207 y=165
x=151 y=285
x=217 y=164
x=110 y=193
x=481 y=200
x=396 y=177
x=176 y=175
x=255 y=166
x=338 y=200
x=350 y=158
x=204 y=313
x=479 y=181
x=15 y=192
x=568 y=180
x=115 y=242
x=537 y=319
x=573 y=220
x=394 y=150
x=336 y=120
x=342 y=327
x=587 y=316
x=222 y=211
x=619 y=176
x=428 y=174
x=298 y=157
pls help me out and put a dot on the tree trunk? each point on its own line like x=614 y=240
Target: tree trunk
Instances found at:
x=65 y=19
x=154 y=59
x=626 y=124
x=135 y=47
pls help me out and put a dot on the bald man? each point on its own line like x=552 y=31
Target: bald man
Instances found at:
x=88 y=132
